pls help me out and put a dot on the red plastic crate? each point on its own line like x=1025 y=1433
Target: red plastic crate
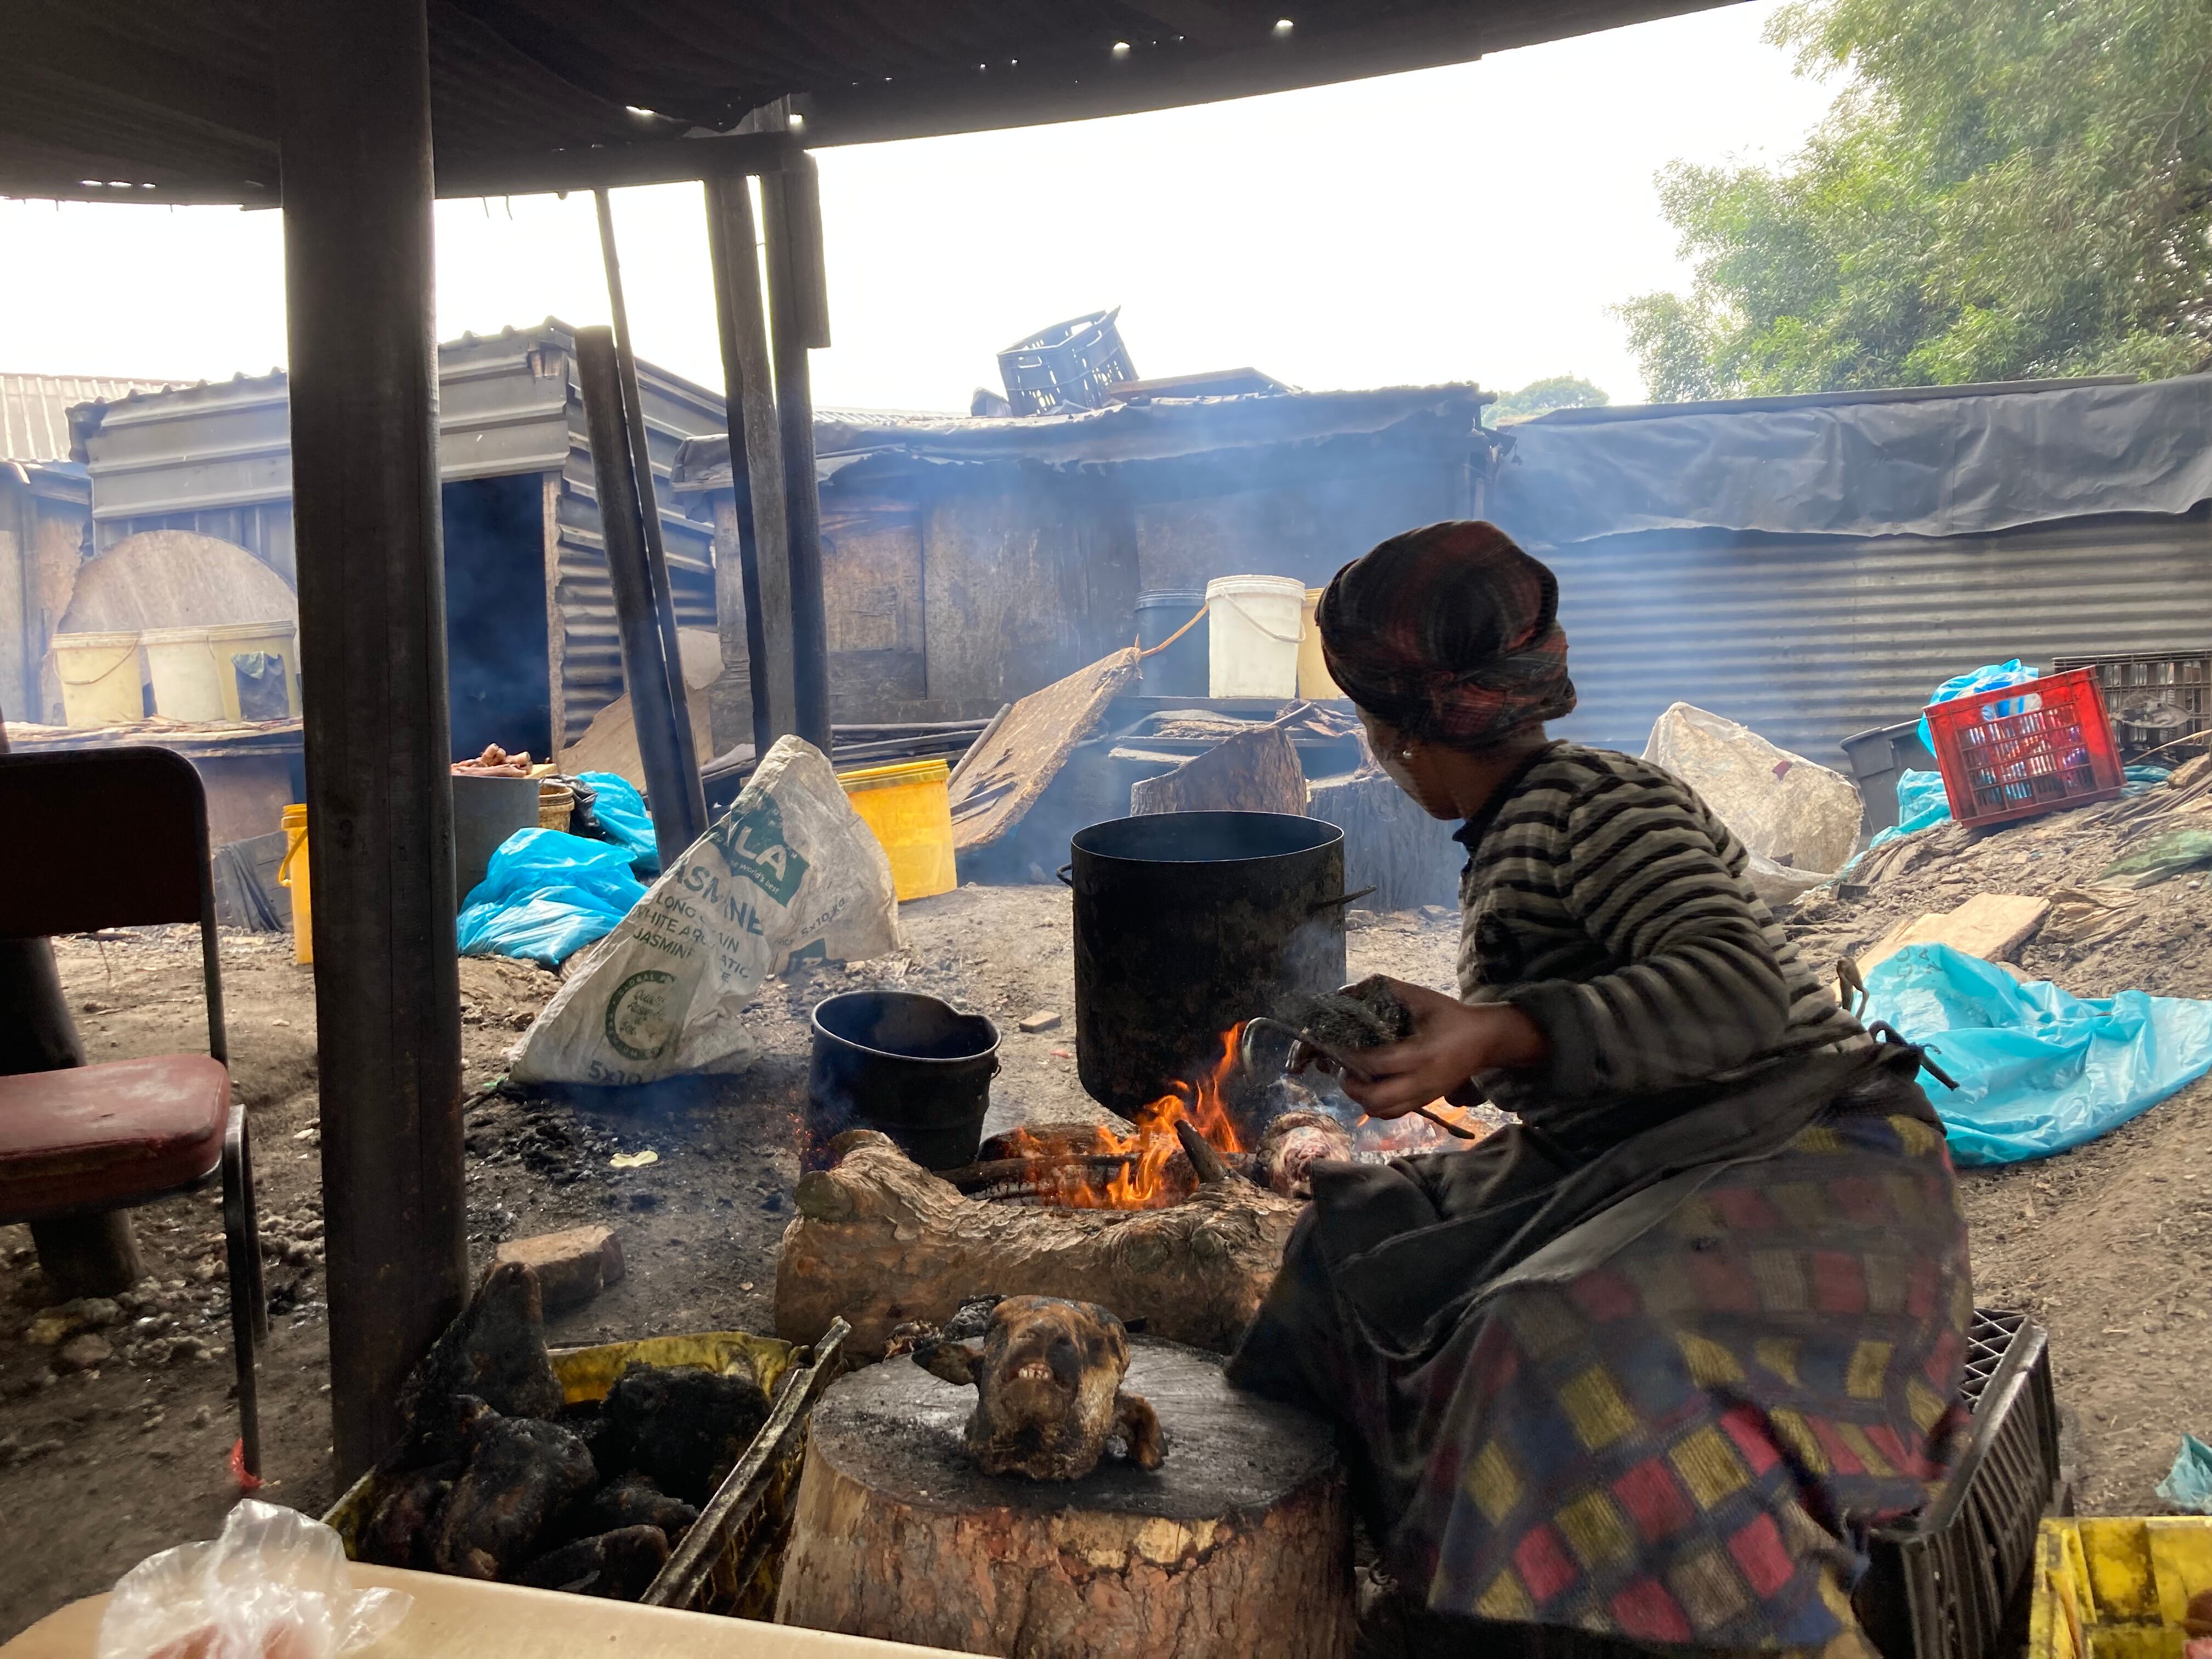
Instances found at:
x=2054 y=749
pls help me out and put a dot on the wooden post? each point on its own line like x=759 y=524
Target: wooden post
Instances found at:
x=798 y=310
x=694 y=799
x=756 y=460
x=622 y=530
x=356 y=144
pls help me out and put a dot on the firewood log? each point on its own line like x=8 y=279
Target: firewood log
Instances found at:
x=879 y=1242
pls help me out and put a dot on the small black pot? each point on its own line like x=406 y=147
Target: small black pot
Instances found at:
x=909 y=1065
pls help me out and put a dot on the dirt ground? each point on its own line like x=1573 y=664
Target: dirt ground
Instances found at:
x=2108 y=1245
x=126 y=1459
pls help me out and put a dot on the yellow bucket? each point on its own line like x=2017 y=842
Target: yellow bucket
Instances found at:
x=101 y=681
x=2117 y=1587
x=1314 y=679
x=293 y=874
x=910 y=807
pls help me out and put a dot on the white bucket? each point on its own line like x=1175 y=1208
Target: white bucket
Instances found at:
x=1255 y=623
x=194 y=676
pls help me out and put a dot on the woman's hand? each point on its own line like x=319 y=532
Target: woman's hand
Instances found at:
x=1451 y=1042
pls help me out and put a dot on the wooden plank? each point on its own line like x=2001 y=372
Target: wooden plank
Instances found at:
x=1390 y=843
x=1255 y=771
x=1030 y=746
x=1990 y=925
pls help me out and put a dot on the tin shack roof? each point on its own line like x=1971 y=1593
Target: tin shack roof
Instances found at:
x=1157 y=430
x=168 y=101
x=34 y=409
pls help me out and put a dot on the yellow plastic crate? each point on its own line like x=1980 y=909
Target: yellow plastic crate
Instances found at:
x=2117 y=1587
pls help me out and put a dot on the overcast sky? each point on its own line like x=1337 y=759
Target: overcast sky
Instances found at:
x=1472 y=223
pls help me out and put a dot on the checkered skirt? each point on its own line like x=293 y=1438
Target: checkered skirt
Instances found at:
x=1685 y=1444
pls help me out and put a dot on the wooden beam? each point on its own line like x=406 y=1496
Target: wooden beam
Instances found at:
x=798 y=319
x=622 y=533
x=615 y=167
x=692 y=802
x=365 y=492
x=755 y=458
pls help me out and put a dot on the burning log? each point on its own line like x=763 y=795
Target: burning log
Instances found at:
x=1239 y=1543
x=879 y=1241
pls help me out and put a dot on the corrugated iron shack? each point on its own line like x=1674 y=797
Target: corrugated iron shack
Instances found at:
x=968 y=561
x=1815 y=566
x=46 y=509
x=530 y=616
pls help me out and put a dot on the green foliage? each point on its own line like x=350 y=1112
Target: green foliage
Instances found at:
x=1553 y=391
x=2005 y=188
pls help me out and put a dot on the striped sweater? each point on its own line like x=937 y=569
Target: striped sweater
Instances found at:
x=1608 y=902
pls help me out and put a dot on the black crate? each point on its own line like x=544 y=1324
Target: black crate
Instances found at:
x=1953 y=1583
x=1071 y=365
x=2156 y=700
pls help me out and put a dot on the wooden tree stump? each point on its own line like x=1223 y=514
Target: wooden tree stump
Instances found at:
x=1241 y=1543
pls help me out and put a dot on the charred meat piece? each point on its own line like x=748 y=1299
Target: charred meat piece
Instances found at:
x=522 y=1476
x=1363 y=1016
x=1048 y=1396
x=618 y=1564
x=494 y=1352
x=686 y=1426
x=399 y=1534
x=634 y=1501
x=1293 y=1144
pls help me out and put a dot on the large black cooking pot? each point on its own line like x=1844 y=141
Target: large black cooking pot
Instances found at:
x=1185 y=924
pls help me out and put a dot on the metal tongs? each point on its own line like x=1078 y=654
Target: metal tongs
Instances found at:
x=1307 y=1050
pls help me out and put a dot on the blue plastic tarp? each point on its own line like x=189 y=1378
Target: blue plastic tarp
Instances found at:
x=1993 y=677
x=2038 y=1069
x=622 y=812
x=547 y=894
x=2188 y=1484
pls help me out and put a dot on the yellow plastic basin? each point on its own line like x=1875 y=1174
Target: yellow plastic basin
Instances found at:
x=2117 y=1587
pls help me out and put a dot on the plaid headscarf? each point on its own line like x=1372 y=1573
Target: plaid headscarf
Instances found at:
x=1451 y=633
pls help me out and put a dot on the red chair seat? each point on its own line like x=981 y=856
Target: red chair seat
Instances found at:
x=92 y=1137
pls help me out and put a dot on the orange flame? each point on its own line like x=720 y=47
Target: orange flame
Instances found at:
x=1141 y=1183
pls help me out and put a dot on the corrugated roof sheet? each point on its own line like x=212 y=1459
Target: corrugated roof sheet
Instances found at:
x=34 y=409
x=174 y=99
x=1161 y=428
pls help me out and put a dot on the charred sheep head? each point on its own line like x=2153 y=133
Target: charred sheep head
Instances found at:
x=1048 y=1378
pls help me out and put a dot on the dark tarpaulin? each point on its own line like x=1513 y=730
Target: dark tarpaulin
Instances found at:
x=1919 y=464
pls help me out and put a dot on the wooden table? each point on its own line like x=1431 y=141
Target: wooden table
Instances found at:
x=460 y=1619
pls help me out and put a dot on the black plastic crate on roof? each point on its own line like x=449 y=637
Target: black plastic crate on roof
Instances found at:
x=1952 y=1583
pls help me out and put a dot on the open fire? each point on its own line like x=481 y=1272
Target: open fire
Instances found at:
x=1107 y=1170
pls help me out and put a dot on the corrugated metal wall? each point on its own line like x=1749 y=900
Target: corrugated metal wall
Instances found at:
x=1810 y=639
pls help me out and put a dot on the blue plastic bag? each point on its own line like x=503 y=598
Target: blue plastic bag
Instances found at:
x=546 y=896
x=1995 y=676
x=621 y=809
x=2038 y=1069
x=2188 y=1484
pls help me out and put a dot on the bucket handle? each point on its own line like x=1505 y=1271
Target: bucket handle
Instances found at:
x=1330 y=905
x=1066 y=874
x=284 y=869
x=1297 y=638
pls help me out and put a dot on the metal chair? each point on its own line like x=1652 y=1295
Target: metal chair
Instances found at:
x=119 y=837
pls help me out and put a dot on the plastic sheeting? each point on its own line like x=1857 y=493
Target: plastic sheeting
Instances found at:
x=1946 y=464
x=1992 y=677
x=622 y=814
x=547 y=894
x=2038 y=1069
x=2188 y=1484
